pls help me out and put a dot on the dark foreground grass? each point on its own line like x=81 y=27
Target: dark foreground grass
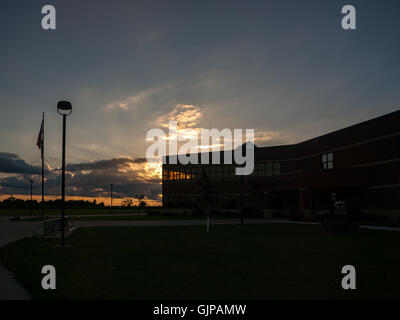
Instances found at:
x=257 y=262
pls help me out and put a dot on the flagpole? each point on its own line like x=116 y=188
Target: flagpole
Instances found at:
x=43 y=170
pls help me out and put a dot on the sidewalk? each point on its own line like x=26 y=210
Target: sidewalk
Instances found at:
x=89 y=215
x=10 y=232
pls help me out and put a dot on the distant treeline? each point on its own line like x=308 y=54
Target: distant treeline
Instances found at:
x=14 y=203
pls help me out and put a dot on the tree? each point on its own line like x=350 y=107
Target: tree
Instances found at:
x=209 y=199
x=140 y=198
x=142 y=203
x=127 y=202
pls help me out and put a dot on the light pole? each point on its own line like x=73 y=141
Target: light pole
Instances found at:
x=64 y=108
x=111 y=195
x=241 y=200
x=31 y=181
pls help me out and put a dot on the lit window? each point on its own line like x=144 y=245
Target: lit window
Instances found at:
x=327 y=161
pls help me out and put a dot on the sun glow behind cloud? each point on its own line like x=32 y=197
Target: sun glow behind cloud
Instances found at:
x=189 y=118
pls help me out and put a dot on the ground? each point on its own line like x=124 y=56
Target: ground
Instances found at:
x=260 y=261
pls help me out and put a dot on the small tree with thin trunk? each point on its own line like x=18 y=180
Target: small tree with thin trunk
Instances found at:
x=208 y=197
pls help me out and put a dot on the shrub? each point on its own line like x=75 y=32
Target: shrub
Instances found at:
x=355 y=214
x=252 y=212
x=198 y=212
x=277 y=215
x=296 y=214
x=375 y=217
x=339 y=224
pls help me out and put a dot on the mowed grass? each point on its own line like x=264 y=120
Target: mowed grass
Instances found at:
x=270 y=261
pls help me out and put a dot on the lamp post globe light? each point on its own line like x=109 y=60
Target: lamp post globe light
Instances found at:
x=64 y=108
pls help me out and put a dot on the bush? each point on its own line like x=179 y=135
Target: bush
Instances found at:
x=355 y=214
x=252 y=212
x=339 y=224
x=198 y=212
x=375 y=217
x=296 y=214
x=277 y=215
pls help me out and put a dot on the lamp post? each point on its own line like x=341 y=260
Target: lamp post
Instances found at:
x=111 y=195
x=64 y=108
x=30 y=207
x=241 y=200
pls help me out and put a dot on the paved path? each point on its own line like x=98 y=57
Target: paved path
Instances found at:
x=89 y=215
x=10 y=232
x=379 y=228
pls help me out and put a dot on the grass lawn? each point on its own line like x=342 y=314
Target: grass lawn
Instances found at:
x=270 y=261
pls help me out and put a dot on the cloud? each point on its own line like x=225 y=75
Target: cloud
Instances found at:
x=127 y=103
x=187 y=116
x=11 y=163
x=89 y=179
x=104 y=164
x=14 y=183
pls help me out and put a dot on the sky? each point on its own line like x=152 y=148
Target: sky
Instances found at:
x=284 y=68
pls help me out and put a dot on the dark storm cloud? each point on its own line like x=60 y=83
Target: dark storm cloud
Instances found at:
x=91 y=179
x=104 y=164
x=97 y=184
x=13 y=184
x=11 y=163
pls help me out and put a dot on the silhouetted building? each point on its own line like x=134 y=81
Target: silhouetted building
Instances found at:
x=359 y=164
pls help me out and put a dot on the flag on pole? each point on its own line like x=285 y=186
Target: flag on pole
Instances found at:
x=40 y=138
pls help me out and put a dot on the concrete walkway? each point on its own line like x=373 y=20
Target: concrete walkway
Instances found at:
x=88 y=215
x=10 y=232
x=10 y=289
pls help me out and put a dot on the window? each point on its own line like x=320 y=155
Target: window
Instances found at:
x=327 y=161
x=276 y=169
x=229 y=171
x=213 y=172
x=260 y=170
x=268 y=169
x=218 y=172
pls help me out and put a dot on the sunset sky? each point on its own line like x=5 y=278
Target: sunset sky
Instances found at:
x=284 y=68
